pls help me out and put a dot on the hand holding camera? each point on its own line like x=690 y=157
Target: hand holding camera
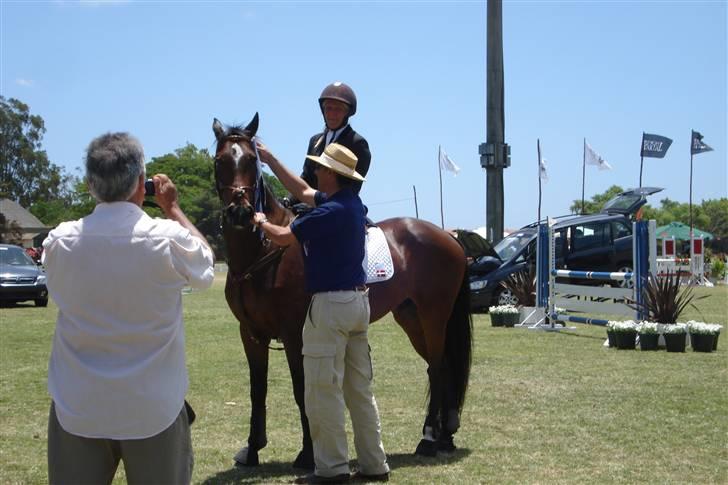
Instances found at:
x=164 y=191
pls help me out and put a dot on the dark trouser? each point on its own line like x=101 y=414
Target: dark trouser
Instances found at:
x=165 y=458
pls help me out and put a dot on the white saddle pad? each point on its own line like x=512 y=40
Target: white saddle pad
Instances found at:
x=377 y=258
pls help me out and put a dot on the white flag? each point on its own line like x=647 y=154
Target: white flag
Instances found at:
x=542 y=174
x=593 y=158
x=447 y=164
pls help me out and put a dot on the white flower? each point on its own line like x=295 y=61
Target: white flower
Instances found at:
x=628 y=326
x=648 y=328
x=703 y=328
x=674 y=328
x=503 y=309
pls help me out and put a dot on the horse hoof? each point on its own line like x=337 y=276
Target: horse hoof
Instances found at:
x=246 y=457
x=304 y=460
x=426 y=448
x=446 y=445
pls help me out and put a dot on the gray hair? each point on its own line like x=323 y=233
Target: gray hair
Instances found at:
x=114 y=162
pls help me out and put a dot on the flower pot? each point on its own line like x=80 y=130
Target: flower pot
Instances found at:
x=702 y=342
x=675 y=342
x=648 y=341
x=497 y=319
x=626 y=340
x=510 y=319
x=612 y=339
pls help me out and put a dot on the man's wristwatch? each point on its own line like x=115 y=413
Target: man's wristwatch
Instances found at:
x=262 y=222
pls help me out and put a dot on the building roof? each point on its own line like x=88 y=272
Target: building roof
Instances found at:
x=25 y=220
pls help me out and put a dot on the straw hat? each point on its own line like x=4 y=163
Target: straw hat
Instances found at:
x=339 y=159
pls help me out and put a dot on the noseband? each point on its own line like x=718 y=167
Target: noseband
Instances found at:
x=238 y=191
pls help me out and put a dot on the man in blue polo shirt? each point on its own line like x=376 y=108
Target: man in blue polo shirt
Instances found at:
x=336 y=361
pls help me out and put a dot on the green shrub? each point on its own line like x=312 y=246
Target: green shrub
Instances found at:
x=717 y=268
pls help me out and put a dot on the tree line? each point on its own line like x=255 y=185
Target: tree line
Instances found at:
x=53 y=195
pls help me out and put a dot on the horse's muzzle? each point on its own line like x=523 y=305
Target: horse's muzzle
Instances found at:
x=236 y=215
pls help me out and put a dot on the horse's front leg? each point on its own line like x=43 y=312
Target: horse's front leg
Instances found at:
x=295 y=365
x=257 y=355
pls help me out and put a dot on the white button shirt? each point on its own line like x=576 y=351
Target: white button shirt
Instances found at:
x=117 y=369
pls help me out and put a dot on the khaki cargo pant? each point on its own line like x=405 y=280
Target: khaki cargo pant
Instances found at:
x=338 y=369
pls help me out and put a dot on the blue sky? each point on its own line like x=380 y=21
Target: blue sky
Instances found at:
x=605 y=71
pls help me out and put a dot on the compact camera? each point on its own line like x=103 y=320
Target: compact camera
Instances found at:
x=149 y=187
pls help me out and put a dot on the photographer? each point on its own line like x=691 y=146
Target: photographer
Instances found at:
x=117 y=374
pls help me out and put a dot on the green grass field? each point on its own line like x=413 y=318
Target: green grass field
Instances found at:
x=542 y=407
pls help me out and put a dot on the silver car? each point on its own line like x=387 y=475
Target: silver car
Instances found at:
x=20 y=278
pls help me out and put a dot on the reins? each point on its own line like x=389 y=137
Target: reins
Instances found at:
x=261 y=263
x=259 y=204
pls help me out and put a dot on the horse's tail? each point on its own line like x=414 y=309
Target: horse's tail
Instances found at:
x=459 y=344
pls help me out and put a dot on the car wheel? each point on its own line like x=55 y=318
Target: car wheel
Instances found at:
x=628 y=284
x=41 y=302
x=504 y=296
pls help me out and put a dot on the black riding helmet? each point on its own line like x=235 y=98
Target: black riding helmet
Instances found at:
x=340 y=92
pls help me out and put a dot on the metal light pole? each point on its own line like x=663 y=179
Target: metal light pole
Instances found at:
x=494 y=153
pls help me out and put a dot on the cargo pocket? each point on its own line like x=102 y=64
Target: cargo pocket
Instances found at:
x=318 y=365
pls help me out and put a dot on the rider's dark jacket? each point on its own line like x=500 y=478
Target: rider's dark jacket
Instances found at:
x=351 y=140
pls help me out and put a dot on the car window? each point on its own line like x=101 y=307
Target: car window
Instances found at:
x=510 y=245
x=587 y=236
x=15 y=257
x=529 y=253
x=621 y=229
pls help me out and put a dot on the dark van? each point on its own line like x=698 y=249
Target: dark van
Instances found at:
x=596 y=242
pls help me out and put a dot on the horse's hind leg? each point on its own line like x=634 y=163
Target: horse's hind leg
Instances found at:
x=408 y=317
x=449 y=416
x=257 y=356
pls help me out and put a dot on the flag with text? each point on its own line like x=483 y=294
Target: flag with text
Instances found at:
x=697 y=145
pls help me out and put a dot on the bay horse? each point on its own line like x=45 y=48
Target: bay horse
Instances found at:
x=428 y=296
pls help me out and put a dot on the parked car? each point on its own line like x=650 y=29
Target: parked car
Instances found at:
x=21 y=279
x=596 y=242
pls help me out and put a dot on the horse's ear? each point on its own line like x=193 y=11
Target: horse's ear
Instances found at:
x=252 y=127
x=218 y=129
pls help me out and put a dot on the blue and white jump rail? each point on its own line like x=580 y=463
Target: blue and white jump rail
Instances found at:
x=591 y=299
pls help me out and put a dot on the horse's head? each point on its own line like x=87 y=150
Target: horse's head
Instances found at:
x=235 y=171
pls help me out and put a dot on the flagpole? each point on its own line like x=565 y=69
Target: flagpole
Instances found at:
x=691 y=190
x=583 y=176
x=538 y=149
x=439 y=171
x=417 y=212
x=642 y=158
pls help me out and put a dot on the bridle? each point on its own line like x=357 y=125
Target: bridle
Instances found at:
x=257 y=190
x=238 y=191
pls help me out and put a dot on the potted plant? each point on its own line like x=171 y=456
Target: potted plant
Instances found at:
x=503 y=315
x=675 y=337
x=625 y=334
x=703 y=336
x=649 y=335
x=522 y=286
x=611 y=339
x=663 y=301
x=716 y=333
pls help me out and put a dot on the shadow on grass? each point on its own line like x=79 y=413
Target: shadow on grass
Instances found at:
x=285 y=473
x=573 y=333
